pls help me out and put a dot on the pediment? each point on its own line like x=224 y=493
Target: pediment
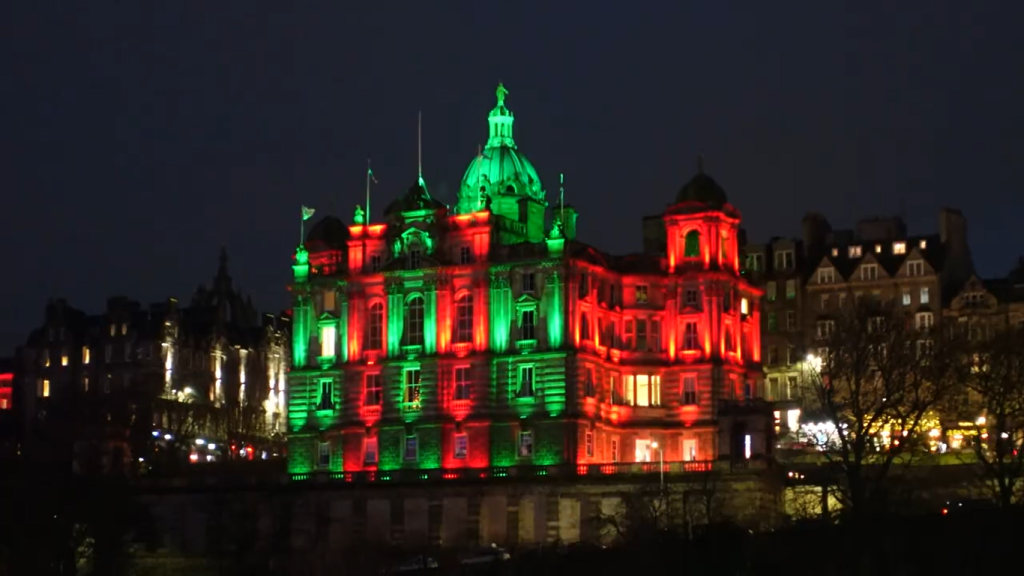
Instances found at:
x=867 y=261
x=826 y=263
x=525 y=299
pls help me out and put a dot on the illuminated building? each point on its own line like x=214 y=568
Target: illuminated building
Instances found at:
x=474 y=339
x=133 y=378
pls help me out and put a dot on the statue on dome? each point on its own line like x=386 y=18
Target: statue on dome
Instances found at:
x=501 y=92
x=556 y=229
x=359 y=217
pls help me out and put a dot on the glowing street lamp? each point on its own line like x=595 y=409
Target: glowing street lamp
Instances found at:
x=661 y=464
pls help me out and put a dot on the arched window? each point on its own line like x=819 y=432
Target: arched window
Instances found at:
x=414 y=321
x=692 y=246
x=464 y=319
x=375 y=327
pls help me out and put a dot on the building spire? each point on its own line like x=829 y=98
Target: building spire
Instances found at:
x=419 y=149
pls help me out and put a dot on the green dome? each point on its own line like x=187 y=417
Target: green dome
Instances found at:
x=500 y=168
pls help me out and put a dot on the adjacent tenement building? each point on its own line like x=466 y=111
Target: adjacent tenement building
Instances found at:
x=133 y=381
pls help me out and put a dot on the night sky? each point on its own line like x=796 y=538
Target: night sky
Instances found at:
x=139 y=137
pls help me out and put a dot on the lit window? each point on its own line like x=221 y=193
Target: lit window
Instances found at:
x=411 y=386
x=464 y=319
x=641 y=293
x=854 y=251
x=525 y=444
x=906 y=298
x=112 y=329
x=642 y=390
x=124 y=329
x=46 y=358
x=64 y=357
x=835 y=252
x=328 y=340
x=324 y=459
x=790 y=289
x=770 y=291
x=370 y=451
x=375 y=327
x=374 y=390
x=689 y=449
x=462 y=383
x=615 y=449
x=924 y=320
x=461 y=446
x=85 y=354
x=924 y=295
x=44 y=388
x=878 y=248
x=922 y=244
x=744 y=307
x=85 y=383
x=414 y=321
x=899 y=247
x=330 y=301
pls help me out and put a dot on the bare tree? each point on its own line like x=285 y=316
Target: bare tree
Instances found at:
x=997 y=380
x=240 y=423
x=881 y=375
x=640 y=515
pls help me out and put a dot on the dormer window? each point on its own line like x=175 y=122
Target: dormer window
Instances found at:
x=922 y=244
x=869 y=272
x=415 y=258
x=899 y=247
x=854 y=252
x=826 y=275
x=784 y=260
x=878 y=248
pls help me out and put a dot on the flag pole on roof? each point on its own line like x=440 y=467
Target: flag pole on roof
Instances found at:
x=307 y=213
x=369 y=178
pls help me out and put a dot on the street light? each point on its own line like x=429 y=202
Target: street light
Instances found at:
x=661 y=464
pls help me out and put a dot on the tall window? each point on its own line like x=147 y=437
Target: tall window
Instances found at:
x=328 y=340
x=528 y=282
x=692 y=245
x=690 y=339
x=525 y=382
x=465 y=256
x=689 y=389
x=462 y=383
x=641 y=334
x=527 y=327
x=641 y=293
x=924 y=296
x=461 y=446
x=324 y=459
x=414 y=321
x=411 y=386
x=326 y=401
x=374 y=390
x=375 y=327
x=370 y=450
x=464 y=319
x=654 y=338
x=589 y=389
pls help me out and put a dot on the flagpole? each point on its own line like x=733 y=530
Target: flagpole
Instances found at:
x=369 y=172
x=561 y=198
x=302 y=225
x=419 y=146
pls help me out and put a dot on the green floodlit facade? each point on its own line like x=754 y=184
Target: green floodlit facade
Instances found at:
x=472 y=339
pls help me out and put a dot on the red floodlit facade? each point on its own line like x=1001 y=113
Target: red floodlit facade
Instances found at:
x=480 y=337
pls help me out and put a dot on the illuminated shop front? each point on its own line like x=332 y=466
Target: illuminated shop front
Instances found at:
x=485 y=336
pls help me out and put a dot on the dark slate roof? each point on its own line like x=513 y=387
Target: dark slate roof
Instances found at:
x=703 y=188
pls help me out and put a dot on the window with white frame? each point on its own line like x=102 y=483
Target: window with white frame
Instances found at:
x=642 y=389
x=690 y=298
x=824 y=301
x=770 y=290
x=924 y=320
x=854 y=251
x=588 y=442
x=784 y=259
x=414 y=321
x=869 y=272
x=790 y=289
x=464 y=319
x=899 y=247
x=825 y=328
x=915 y=268
x=924 y=299
x=328 y=340
x=905 y=298
x=826 y=275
